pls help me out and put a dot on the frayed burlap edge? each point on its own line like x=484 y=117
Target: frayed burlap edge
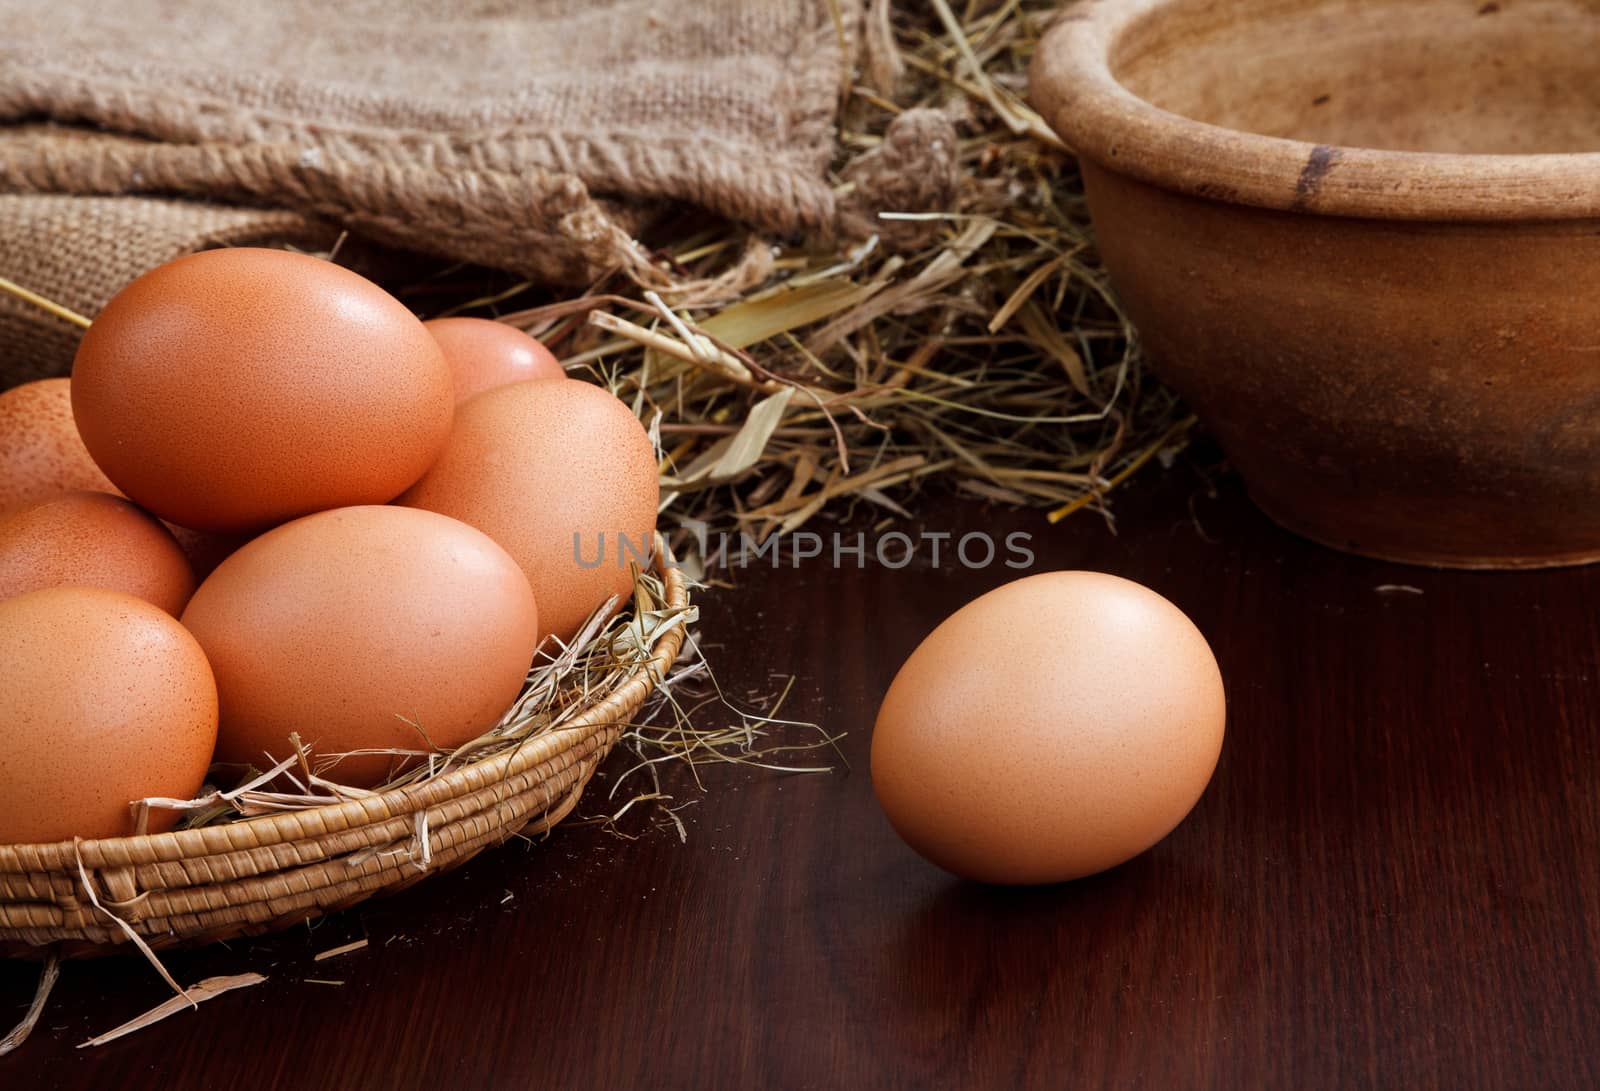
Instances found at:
x=539 y=203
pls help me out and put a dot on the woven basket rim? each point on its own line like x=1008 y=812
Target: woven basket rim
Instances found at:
x=289 y=826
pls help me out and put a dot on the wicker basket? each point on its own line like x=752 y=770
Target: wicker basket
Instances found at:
x=258 y=875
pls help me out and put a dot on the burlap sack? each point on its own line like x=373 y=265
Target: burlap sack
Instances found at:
x=534 y=136
x=78 y=251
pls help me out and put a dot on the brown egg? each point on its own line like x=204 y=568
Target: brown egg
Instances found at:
x=484 y=354
x=364 y=628
x=106 y=700
x=92 y=539
x=564 y=477
x=1050 y=729
x=41 y=453
x=234 y=389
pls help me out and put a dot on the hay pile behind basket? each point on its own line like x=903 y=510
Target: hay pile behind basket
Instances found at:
x=980 y=347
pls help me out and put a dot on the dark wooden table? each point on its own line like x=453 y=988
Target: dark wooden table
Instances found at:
x=1393 y=881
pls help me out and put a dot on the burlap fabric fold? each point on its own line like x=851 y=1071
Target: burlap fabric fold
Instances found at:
x=533 y=135
x=78 y=251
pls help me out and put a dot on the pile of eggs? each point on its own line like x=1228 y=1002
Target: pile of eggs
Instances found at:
x=271 y=501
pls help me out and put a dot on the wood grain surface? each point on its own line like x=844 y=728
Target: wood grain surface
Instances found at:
x=1393 y=881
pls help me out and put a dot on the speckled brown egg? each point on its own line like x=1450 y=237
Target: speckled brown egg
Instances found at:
x=483 y=355
x=231 y=390
x=93 y=539
x=368 y=628
x=564 y=477
x=41 y=453
x=1053 y=728
x=106 y=700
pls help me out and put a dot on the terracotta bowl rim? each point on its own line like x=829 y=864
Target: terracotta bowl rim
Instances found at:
x=1072 y=86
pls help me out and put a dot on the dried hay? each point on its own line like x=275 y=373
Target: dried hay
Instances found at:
x=980 y=346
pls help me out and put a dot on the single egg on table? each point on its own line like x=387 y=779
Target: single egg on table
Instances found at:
x=106 y=700
x=363 y=629
x=1050 y=729
x=484 y=354
x=232 y=390
x=93 y=539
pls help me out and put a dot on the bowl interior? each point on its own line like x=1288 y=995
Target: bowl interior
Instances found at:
x=1463 y=76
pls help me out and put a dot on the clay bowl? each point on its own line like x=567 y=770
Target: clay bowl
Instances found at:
x=1362 y=239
